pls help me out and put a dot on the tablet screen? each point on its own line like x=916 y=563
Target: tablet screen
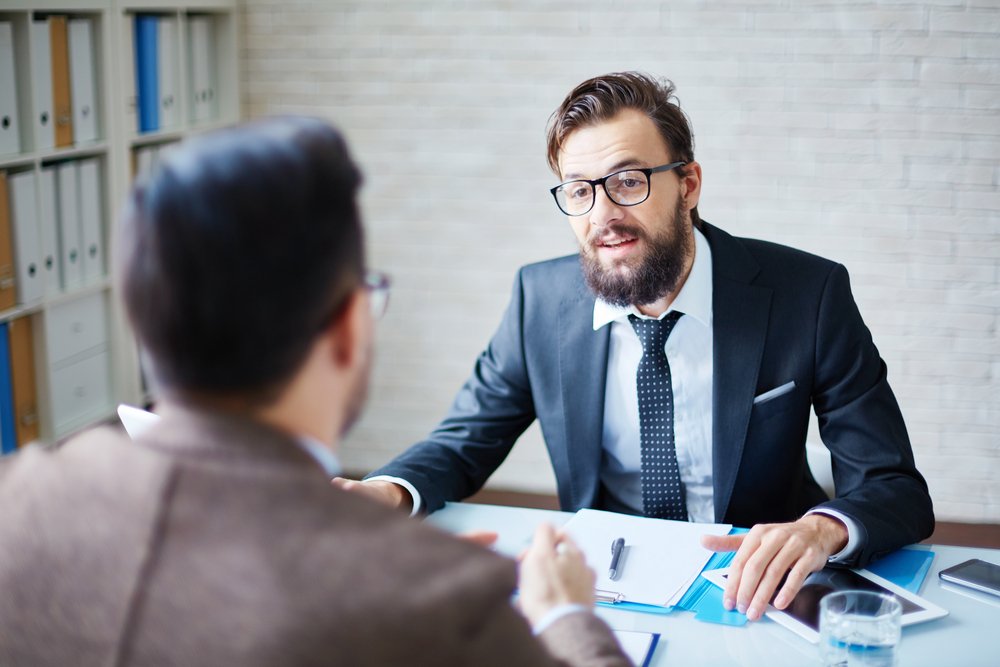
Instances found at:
x=805 y=606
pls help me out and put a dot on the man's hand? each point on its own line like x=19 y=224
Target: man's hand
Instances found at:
x=767 y=552
x=387 y=493
x=553 y=573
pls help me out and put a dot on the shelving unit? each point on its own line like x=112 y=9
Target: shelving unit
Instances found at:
x=84 y=358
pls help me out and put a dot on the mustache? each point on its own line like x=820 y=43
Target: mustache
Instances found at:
x=618 y=229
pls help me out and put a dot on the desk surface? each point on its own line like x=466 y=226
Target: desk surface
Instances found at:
x=969 y=636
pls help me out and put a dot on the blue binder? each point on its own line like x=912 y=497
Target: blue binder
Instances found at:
x=147 y=85
x=8 y=433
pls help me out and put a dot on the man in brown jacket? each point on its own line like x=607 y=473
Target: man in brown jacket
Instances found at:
x=216 y=538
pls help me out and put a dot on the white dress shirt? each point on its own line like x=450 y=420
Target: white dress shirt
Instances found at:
x=689 y=353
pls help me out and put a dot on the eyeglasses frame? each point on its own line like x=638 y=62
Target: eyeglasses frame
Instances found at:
x=648 y=171
x=378 y=286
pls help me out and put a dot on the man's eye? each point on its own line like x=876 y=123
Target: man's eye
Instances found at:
x=578 y=192
x=630 y=180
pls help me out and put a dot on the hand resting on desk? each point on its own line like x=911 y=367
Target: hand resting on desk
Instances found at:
x=767 y=552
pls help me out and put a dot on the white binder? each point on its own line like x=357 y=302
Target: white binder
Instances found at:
x=167 y=72
x=202 y=69
x=10 y=138
x=128 y=77
x=71 y=262
x=145 y=159
x=91 y=239
x=81 y=78
x=41 y=84
x=48 y=230
x=23 y=210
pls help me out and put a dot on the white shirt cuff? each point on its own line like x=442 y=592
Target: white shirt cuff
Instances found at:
x=412 y=490
x=555 y=614
x=853 y=532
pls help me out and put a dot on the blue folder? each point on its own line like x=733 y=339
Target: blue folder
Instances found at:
x=8 y=432
x=147 y=85
x=906 y=567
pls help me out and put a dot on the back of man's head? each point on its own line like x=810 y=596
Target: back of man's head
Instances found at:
x=236 y=251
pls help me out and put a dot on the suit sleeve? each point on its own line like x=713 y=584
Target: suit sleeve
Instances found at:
x=577 y=640
x=861 y=424
x=491 y=411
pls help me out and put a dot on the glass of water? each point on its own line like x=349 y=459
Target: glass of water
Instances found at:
x=859 y=629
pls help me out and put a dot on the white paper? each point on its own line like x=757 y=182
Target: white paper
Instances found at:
x=634 y=644
x=661 y=557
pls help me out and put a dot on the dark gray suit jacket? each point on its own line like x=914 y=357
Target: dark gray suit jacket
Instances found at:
x=779 y=315
x=216 y=541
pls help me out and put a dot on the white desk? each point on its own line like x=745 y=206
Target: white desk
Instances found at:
x=968 y=637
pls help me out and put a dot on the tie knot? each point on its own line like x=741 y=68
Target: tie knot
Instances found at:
x=654 y=333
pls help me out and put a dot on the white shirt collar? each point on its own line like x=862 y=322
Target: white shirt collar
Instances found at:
x=316 y=449
x=694 y=299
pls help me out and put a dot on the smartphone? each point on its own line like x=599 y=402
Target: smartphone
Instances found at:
x=974 y=573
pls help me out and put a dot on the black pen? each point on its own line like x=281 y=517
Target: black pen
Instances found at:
x=617 y=547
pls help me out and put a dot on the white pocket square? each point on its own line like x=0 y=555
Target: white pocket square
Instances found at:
x=774 y=393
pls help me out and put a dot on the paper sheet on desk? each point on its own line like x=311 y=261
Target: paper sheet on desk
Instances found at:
x=660 y=559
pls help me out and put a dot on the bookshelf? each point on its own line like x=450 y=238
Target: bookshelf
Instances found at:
x=72 y=87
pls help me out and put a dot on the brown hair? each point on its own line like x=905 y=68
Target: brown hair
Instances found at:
x=236 y=250
x=601 y=98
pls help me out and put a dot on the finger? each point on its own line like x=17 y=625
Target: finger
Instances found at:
x=545 y=538
x=796 y=577
x=722 y=542
x=753 y=570
x=483 y=538
x=773 y=573
x=565 y=543
x=749 y=544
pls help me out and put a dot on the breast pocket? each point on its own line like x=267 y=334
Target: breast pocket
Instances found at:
x=773 y=401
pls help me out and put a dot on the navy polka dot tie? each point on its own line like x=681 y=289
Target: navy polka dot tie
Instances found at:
x=662 y=489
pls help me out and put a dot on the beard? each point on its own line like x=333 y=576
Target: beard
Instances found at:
x=649 y=277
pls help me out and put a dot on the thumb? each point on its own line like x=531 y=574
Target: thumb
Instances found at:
x=722 y=542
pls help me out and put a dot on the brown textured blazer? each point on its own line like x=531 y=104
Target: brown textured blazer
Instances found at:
x=217 y=541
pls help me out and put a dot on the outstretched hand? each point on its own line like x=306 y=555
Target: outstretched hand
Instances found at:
x=387 y=493
x=770 y=551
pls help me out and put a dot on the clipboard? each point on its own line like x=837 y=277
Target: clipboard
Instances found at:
x=644 y=583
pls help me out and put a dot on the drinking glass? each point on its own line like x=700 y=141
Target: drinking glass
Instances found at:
x=859 y=629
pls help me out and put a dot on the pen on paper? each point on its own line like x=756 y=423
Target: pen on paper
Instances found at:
x=617 y=547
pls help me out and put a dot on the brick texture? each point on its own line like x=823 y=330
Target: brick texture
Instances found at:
x=867 y=132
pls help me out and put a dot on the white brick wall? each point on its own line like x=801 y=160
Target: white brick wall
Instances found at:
x=864 y=131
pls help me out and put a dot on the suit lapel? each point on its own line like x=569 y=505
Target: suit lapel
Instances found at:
x=583 y=367
x=740 y=312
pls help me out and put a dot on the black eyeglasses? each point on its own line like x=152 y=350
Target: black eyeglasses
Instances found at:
x=377 y=284
x=627 y=187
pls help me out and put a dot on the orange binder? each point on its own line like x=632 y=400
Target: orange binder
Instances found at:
x=8 y=295
x=62 y=102
x=22 y=375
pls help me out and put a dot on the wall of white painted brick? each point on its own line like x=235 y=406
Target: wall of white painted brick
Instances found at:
x=865 y=131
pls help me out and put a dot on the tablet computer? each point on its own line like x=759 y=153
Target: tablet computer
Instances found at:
x=802 y=615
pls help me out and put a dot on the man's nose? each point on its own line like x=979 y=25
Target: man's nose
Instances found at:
x=605 y=210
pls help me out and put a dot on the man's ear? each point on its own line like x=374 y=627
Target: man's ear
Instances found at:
x=691 y=184
x=348 y=332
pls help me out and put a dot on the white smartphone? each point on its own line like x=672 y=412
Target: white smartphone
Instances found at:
x=974 y=573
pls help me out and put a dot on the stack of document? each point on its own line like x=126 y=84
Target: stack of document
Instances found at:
x=660 y=559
